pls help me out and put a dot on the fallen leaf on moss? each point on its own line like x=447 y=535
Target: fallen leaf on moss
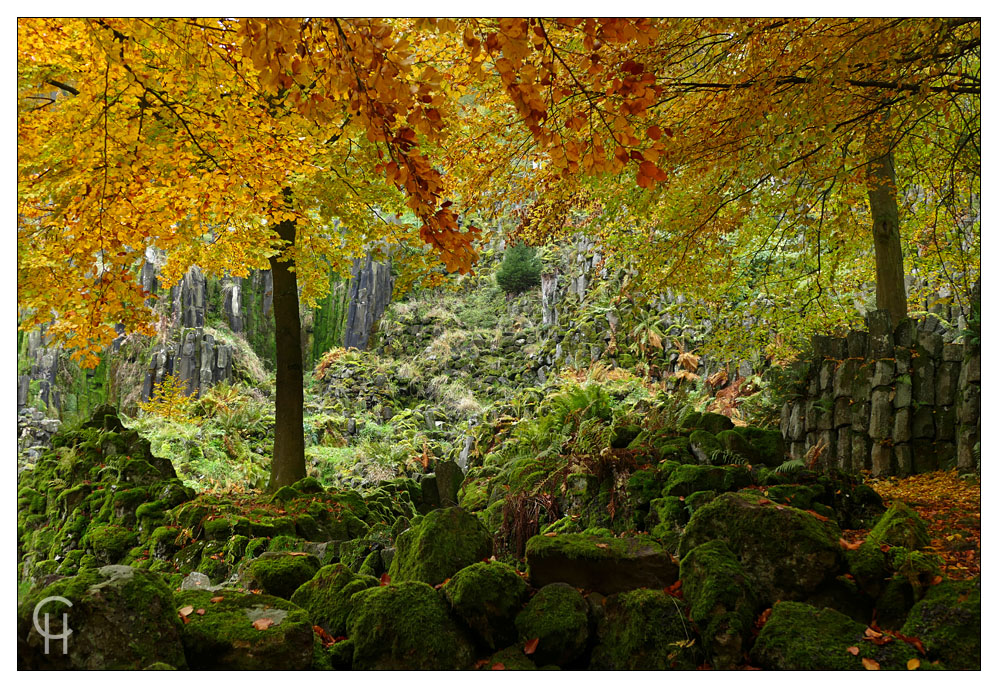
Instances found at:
x=853 y=650
x=913 y=664
x=531 y=646
x=263 y=624
x=871 y=664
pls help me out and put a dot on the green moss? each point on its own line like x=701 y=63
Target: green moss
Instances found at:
x=326 y=597
x=407 y=627
x=280 y=573
x=799 y=637
x=225 y=637
x=121 y=618
x=256 y=546
x=440 y=545
x=687 y=479
x=558 y=617
x=948 y=622
x=918 y=568
x=110 y=543
x=309 y=485
x=722 y=603
x=699 y=499
x=868 y=566
x=900 y=526
x=510 y=659
x=284 y=543
x=786 y=552
x=768 y=444
x=714 y=423
x=487 y=596
x=706 y=447
x=285 y=494
x=372 y=565
x=643 y=630
x=341 y=654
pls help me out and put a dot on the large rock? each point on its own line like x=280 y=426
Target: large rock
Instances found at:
x=786 y=553
x=643 y=630
x=279 y=573
x=326 y=597
x=607 y=565
x=900 y=526
x=487 y=596
x=405 y=627
x=722 y=603
x=241 y=632
x=439 y=545
x=799 y=637
x=948 y=622
x=558 y=618
x=121 y=618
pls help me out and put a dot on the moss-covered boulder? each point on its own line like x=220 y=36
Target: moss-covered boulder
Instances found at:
x=407 y=627
x=558 y=617
x=326 y=597
x=121 y=618
x=900 y=526
x=948 y=622
x=687 y=479
x=706 y=448
x=278 y=573
x=786 y=553
x=487 y=596
x=604 y=564
x=799 y=637
x=241 y=632
x=109 y=543
x=722 y=603
x=673 y=449
x=439 y=545
x=714 y=423
x=767 y=445
x=644 y=630
x=509 y=659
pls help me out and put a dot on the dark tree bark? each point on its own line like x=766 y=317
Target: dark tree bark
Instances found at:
x=882 y=192
x=288 y=465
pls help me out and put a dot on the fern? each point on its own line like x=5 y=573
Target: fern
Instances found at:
x=790 y=466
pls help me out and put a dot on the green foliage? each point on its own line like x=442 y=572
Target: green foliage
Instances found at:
x=520 y=269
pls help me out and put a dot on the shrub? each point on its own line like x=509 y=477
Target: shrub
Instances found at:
x=520 y=269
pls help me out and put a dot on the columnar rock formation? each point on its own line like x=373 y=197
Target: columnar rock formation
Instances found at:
x=371 y=286
x=894 y=401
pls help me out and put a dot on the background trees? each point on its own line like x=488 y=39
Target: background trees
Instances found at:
x=721 y=157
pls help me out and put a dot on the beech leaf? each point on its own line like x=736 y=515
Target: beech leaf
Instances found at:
x=263 y=624
x=530 y=647
x=871 y=664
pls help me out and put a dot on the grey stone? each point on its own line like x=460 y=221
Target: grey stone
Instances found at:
x=861 y=417
x=902 y=394
x=923 y=456
x=903 y=460
x=902 y=425
x=881 y=413
x=881 y=333
x=449 y=477
x=857 y=343
x=843 y=412
x=845 y=377
x=923 y=380
x=971 y=370
x=923 y=424
x=906 y=333
x=860 y=451
x=196 y=581
x=932 y=343
x=953 y=352
x=947 y=376
x=826 y=374
x=371 y=285
x=23 y=386
x=843 y=449
x=880 y=459
x=883 y=373
x=965 y=458
x=946 y=423
x=968 y=410
x=902 y=359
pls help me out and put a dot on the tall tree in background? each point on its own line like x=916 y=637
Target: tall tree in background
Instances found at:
x=136 y=133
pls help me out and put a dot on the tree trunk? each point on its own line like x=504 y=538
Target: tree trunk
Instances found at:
x=882 y=191
x=288 y=465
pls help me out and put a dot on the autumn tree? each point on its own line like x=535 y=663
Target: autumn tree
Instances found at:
x=183 y=135
x=713 y=117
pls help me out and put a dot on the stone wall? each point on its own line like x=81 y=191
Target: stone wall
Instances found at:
x=891 y=400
